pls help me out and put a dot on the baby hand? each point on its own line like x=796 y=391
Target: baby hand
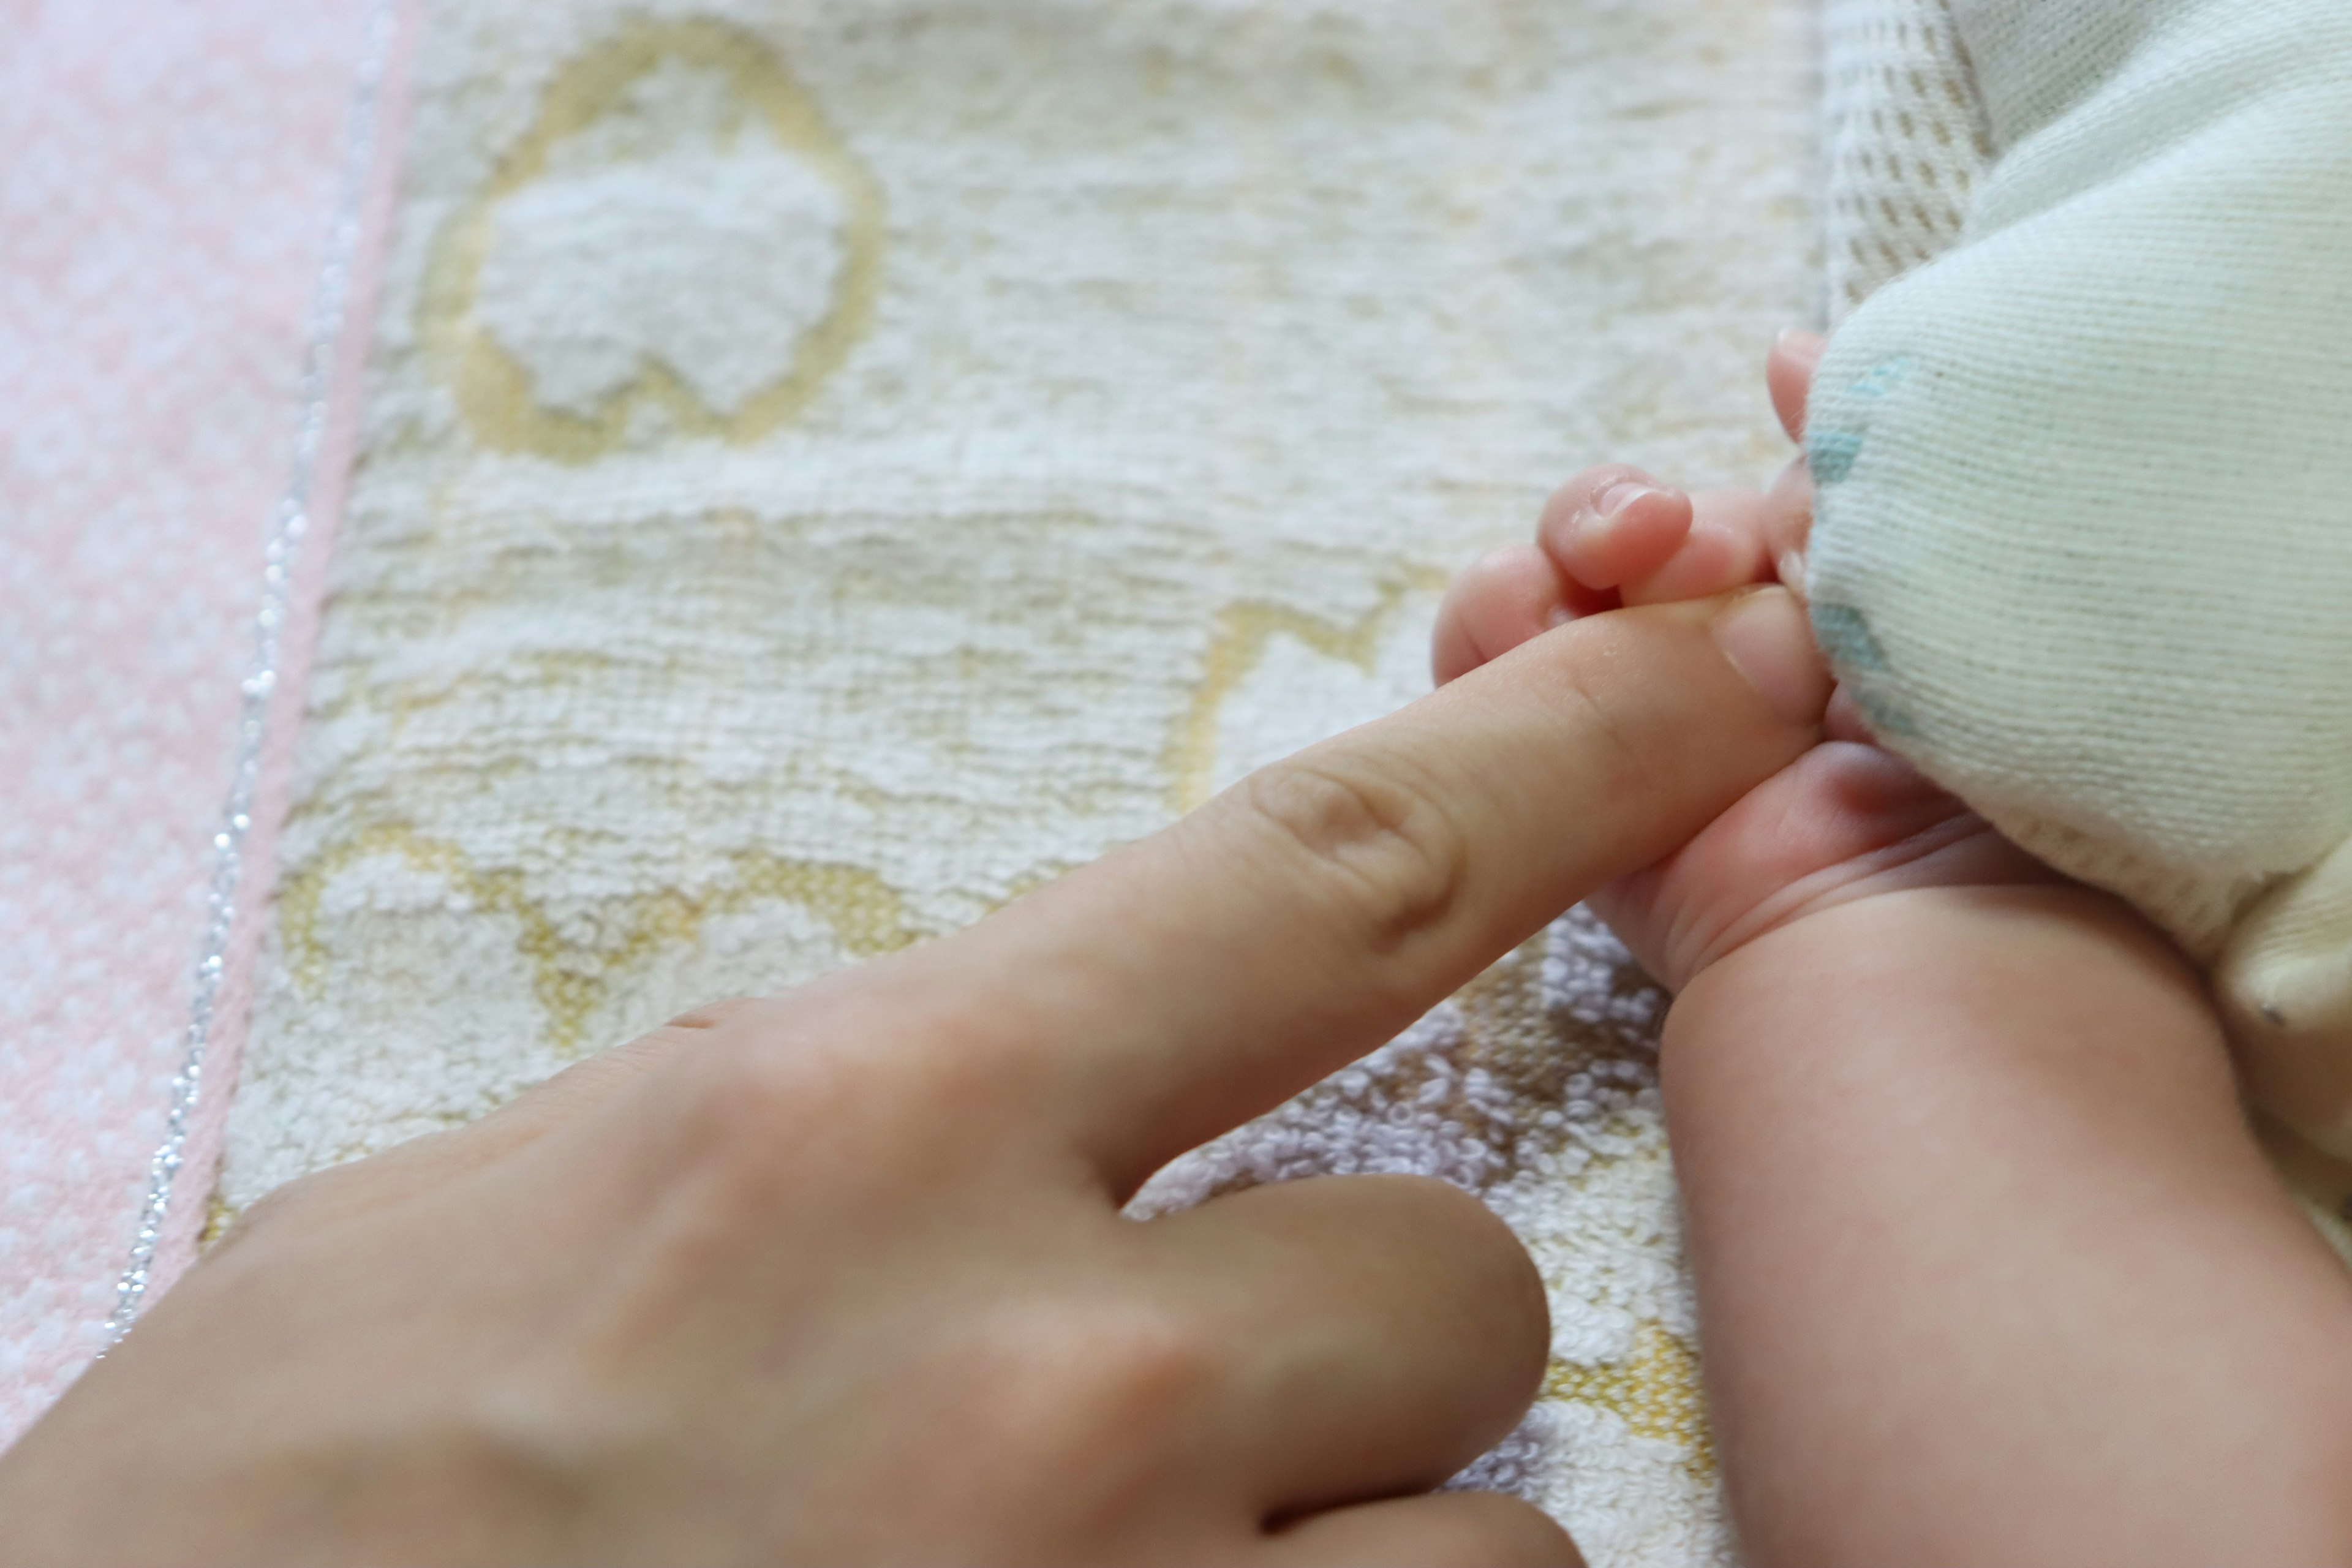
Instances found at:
x=1844 y=821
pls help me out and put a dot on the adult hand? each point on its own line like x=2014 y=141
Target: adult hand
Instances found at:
x=842 y=1277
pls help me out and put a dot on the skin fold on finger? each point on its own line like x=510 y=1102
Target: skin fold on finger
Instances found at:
x=1380 y=1332
x=1195 y=978
x=1843 y=822
x=1444 y=1529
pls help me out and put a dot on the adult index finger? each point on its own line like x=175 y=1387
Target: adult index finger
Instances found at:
x=1204 y=974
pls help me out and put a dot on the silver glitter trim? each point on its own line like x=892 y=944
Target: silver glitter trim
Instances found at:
x=293 y=521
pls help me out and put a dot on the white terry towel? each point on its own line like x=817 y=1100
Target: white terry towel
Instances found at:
x=829 y=466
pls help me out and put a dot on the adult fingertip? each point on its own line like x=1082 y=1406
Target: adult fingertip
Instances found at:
x=1764 y=634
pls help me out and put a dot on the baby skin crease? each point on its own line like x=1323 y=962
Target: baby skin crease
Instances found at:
x=1989 y=1266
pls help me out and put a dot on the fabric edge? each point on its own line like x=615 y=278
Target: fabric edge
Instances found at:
x=185 y=1167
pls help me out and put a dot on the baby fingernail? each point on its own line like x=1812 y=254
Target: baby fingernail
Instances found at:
x=1800 y=343
x=1613 y=500
x=1764 y=634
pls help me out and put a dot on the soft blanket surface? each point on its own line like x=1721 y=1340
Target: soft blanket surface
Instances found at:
x=829 y=466
x=172 y=180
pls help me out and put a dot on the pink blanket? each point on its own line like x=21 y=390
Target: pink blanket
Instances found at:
x=186 y=192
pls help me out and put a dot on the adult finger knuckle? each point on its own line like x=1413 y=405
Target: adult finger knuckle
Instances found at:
x=1099 y=1371
x=1098 y=1391
x=1143 y=1360
x=1378 y=839
x=758 y=1119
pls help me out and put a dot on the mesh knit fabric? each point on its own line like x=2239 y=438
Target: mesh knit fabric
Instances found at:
x=2079 y=547
x=1905 y=136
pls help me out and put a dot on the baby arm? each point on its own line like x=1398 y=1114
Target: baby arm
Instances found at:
x=1989 y=1268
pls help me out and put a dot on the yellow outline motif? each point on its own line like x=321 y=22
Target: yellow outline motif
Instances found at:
x=493 y=390
x=572 y=978
x=1245 y=627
